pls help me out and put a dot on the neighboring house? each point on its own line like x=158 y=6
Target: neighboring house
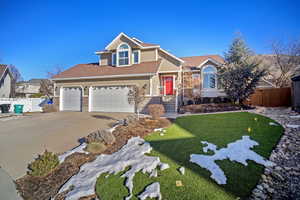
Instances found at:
x=6 y=82
x=28 y=88
x=127 y=62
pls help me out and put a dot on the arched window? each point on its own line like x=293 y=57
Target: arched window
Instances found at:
x=209 y=74
x=123 y=54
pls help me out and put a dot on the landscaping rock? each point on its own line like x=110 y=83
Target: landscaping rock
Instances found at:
x=37 y=188
x=282 y=180
x=101 y=136
x=107 y=136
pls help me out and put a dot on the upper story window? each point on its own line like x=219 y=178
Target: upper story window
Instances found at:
x=123 y=54
x=209 y=74
x=136 y=57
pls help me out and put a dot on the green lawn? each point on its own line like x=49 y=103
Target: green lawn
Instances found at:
x=182 y=139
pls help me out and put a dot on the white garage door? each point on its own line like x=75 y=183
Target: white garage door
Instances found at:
x=71 y=99
x=110 y=99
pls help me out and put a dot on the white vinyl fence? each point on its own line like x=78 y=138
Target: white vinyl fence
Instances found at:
x=30 y=104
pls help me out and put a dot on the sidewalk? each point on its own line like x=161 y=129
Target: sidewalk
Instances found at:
x=7 y=187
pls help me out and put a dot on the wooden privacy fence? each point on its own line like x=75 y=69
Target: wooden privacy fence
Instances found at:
x=270 y=97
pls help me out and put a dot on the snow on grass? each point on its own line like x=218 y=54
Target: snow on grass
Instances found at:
x=131 y=155
x=238 y=151
x=151 y=191
x=79 y=149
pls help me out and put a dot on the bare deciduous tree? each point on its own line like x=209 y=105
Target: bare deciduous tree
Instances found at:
x=286 y=59
x=47 y=86
x=137 y=96
x=17 y=77
x=55 y=71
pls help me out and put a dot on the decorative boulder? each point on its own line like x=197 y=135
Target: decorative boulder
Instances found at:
x=94 y=137
x=107 y=136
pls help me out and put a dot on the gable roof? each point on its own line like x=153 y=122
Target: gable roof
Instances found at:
x=124 y=35
x=93 y=70
x=195 y=61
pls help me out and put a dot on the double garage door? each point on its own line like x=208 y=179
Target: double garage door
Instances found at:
x=101 y=99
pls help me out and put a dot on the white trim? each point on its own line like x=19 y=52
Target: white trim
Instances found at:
x=156 y=54
x=129 y=54
x=105 y=76
x=151 y=86
x=61 y=90
x=151 y=47
x=211 y=60
x=134 y=38
x=202 y=79
x=120 y=35
x=175 y=57
x=90 y=98
x=139 y=56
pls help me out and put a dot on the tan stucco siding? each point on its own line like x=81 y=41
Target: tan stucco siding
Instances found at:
x=105 y=59
x=137 y=81
x=122 y=39
x=168 y=63
x=155 y=85
x=148 y=55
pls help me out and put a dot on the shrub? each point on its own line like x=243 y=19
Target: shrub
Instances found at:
x=156 y=110
x=44 y=164
x=95 y=147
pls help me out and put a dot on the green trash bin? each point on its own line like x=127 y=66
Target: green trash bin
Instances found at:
x=18 y=108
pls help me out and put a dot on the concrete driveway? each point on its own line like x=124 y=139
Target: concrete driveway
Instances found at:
x=23 y=138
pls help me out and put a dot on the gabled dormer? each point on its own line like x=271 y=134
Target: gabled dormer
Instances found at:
x=126 y=51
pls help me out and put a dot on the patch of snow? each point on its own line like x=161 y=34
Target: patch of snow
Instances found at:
x=273 y=124
x=238 y=151
x=295 y=116
x=164 y=166
x=182 y=170
x=209 y=146
x=292 y=126
x=130 y=155
x=158 y=129
x=113 y=128
x=153 y=173
x=151 y=191
x=79 y=149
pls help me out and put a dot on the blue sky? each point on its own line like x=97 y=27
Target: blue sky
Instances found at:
x=38 y=36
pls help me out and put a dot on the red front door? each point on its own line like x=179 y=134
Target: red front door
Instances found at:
x=168 y=85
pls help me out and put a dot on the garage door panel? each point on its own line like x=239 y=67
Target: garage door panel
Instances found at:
x=71 y=99
x=110 y=99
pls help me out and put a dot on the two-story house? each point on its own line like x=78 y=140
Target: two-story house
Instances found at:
x=128 y=62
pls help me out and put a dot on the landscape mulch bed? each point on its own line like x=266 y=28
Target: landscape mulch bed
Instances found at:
x=37 y=188
x=211 y=107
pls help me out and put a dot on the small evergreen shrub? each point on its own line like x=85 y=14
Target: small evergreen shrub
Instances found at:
x=44 y=164
x=156 y=110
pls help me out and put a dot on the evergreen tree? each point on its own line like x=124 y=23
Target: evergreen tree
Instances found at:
x=241 y=73
x=238 y=51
